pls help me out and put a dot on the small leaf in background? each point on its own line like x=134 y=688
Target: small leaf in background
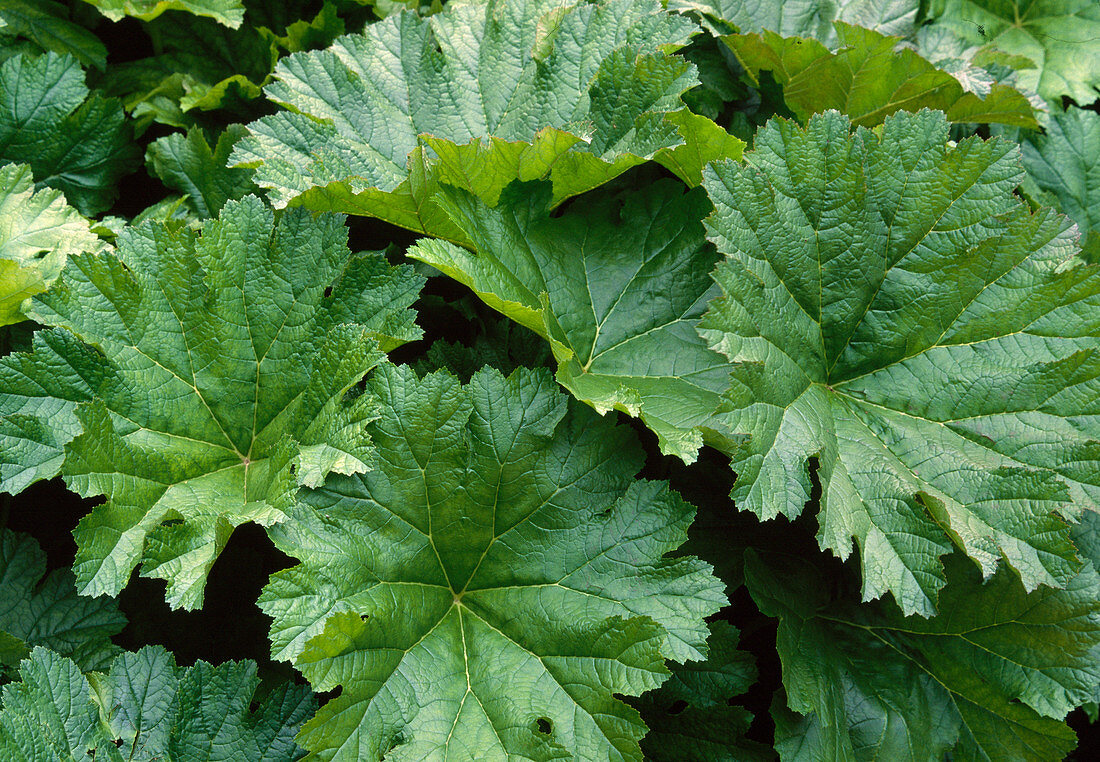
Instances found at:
x=1061 y=38
x=146 y=709
x=188 y=164
x=489 y=588
x=990 y=677
x=38 y=230
x=48 y=612
x=892 y=312
x=78 y=144
x=226 y=367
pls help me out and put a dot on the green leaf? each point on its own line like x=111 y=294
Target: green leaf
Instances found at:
x=617 y=284
x=80 y=145
x=488 y=589
x=228 y=12
x=37 y=232
x=802 y=18
x=39 y=392
x=1061 y=38
x=989 y=678
x=691 y=718
x=147 y=709
x=46 y=23
x=869 y=78
x=189 y=165
x=477 y=96
x=1063 y=168
x=894 y=314
x=226 y=373
x=48 y=612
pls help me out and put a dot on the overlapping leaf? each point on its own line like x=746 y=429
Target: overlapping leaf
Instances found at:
x=690 y=717
x=228 y=12
x=190 y=165
x=487 y=589
x=477 y=96
x=1061 y=37
x=48 y=612
x=199 y=66
x=37 y=232
x=1063 y=169
x=987 y=679
x=894 y=314
x=802 y=18
x=226 y=367
x=871 y=77
x=617 y=284
x=78 y=144
x=39 y=392
x=147 y=709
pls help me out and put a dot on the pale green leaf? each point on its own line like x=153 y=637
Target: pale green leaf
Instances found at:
x=486 y=592
x=894 y=314
x=226 y=368
x=869 y=78
x=803 y=18
x=228 y=12
x=617 y=284
x=1060 y=37
x=37 y=232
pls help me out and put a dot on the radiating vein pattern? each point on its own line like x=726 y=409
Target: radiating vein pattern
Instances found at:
x=491 y=583
x=891 y=311
x=222 y=370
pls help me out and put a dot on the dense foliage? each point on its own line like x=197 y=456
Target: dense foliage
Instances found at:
x=536 y=379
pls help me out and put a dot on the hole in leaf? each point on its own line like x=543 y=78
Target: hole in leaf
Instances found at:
x=678 y=706
x=293 y=468
x=544 y=725
x=171 y=522
x=328 y=291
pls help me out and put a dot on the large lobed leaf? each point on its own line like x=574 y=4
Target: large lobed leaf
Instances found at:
x=48 y=612
x=617 y=284
x=870 y=77
x=990 y=678
x=226 y=359
x=78 y=144
x=190 y=165
x=37 y=232
x=492 y=584
x=146 y=709
x=892 y=313
x=477 y=96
